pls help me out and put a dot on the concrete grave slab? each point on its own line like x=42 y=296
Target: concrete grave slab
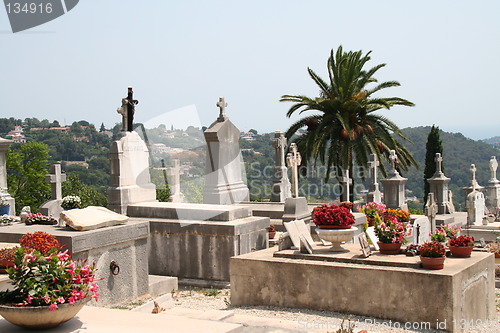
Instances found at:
x=92 y=218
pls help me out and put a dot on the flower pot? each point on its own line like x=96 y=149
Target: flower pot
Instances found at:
x=272 y=234
x=497 y=255
x=370 y=221
x=491 y=218
x=40 y=317
x=330 y=227
x=336 y=237
x=432 y=263
x=389 y=248
x=4 y=210
x=485 y=221
x=461 y=251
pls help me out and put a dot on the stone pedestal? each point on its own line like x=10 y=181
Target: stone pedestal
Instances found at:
x=4 y=145
x=126 y=245
x=223 y=179
x=439 y=186
x=394 y=191
x=130 y=181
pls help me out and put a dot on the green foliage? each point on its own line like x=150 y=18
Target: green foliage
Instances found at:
x=88 y=194
x=344 y=128
x=26 y=169
x=433 y=146
x=162 y=194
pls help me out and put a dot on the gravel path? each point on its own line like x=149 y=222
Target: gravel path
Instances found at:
x=307 y=320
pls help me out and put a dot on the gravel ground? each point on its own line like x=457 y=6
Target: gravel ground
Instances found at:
x=307 y=320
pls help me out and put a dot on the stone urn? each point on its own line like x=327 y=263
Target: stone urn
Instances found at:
x=485 y=220
x=40 y=317
x=336 y=237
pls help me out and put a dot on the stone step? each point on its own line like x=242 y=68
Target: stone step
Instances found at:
x=159 y=285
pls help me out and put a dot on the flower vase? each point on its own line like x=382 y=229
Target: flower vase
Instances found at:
x=389 y=248
x=40 y=317
x=336 y=237
x=461 y=251
x=432 y=263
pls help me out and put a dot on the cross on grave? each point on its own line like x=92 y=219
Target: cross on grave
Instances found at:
x=174 y=173
x=373 y=164
x=55 y=179
x=438 y=159
x=431 y=210
x=393 y=159
x=346 y=182
x=131 y=103
x=293 y=159
x=222 y=105
x=279 y=144
x=493 y=167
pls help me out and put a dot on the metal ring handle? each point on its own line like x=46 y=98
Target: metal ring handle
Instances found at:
x=115 y=269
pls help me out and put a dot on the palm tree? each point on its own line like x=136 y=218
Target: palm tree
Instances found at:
x=344 y=129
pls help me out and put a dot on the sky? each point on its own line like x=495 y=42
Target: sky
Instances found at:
x=180 y=56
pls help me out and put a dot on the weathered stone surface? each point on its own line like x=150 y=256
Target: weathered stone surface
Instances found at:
x=296 y=209
x=466 y=287
x=91 y=218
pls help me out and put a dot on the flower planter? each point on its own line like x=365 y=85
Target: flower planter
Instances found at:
x=272 y=234
x=40 y=317
x=461 y=251
x=336 y=237
x=330 y=227
x=389 y=248
x=432 y=263
x=497 y=255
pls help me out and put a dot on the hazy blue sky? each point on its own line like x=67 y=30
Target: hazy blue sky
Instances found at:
x=185 y=54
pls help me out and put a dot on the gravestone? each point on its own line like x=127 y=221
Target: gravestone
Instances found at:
x=174 y=174
x=53 y=207
x=297 y=229
x=345 y=182
x=130 y=181
x=295 y=207
x=438 y=184
x=475 y=202
x=473 y=184
x=281 y=185
x=374 y=194
x=394 y=186
x=421 y=230
x=223 y=180
x=4 y=145
x=493 y=188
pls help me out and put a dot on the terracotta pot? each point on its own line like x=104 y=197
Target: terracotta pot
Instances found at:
x=497 y=255
x=40 y=317
x=432 y=263
x=461 y=251
x=272 y=234
x=326 y=226
x=5 y=264
x=389 y=248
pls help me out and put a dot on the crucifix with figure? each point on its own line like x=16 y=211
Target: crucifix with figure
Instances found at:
x=127 y=111
x=222 y=105
x=293 y=159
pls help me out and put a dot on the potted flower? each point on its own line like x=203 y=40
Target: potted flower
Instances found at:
x=7 y=258
x=40 y=241
x=399 y=214
x=444 y=233
x=7 y=220
x=491 y=217
x=271 y=231
x=461 y=246
x=49 y=289
x=71 y=202
x=391 y=235
x=370 y=210
x=432 y=255
x=334 y=224
x=39 y=218
x=494 y=248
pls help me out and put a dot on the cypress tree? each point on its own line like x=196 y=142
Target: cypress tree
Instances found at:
x=433 y=146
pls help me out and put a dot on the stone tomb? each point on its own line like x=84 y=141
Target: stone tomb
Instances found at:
x=195 y=241
x=125 y=245
x=349 y=283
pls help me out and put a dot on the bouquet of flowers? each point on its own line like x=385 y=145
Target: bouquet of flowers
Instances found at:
x=444 y=232
x=372 y=208
x=71 y=201
x=39 y=218
x=48 y=280
x=432 y=250
x=399 y=214
x=462 y=241
x=332 y=215
x=392 y=231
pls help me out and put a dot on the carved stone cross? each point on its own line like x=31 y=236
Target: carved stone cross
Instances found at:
x=222 y=105
x=493 y=167
x=373 y=164
x=279 y=144
x=438 y=160
x=55 y=178
x=431 y=210
x=175 y=176
x=293 y=159
x=473 y=174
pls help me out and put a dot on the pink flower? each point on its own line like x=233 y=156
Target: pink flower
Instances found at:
x=60 y=299
x=63 y=256
x=94 y=288
x=70 y=268
x=53 y=307
x=46 y=298
x=30 y=298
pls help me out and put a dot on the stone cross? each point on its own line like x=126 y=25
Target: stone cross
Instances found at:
x=175 y=178
x=431 y=210
x=373 y=164
x=55 y=179
x=222 y=105
x=293 y=160
x=131 y=103
x=493 y=167
x=393 y=159
x=438 y=160
x=345 y=181
x=473 y=173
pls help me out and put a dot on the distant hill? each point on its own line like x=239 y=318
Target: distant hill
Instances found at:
x=459 y=153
